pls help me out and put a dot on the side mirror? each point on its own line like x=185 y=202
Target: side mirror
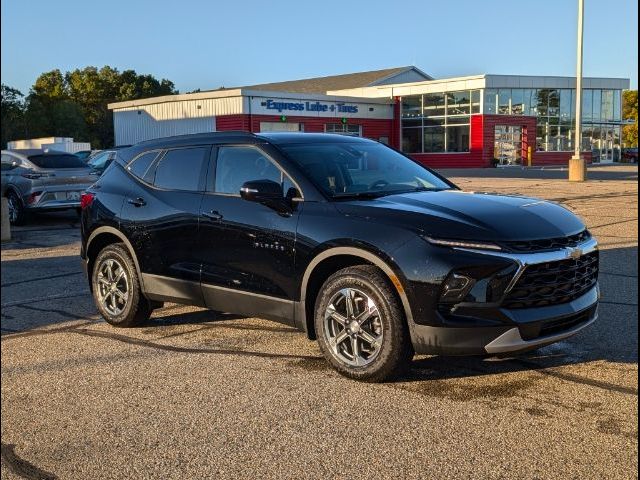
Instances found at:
x=262 y=191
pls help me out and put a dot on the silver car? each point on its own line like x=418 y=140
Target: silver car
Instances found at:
x=42 y=180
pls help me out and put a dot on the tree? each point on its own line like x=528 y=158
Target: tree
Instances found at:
x=50 y=112
x=12 y=115
x=75 y=103
x=630 y=112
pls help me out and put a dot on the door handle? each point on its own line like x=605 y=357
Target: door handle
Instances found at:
x=213 y=215
x=137 y=202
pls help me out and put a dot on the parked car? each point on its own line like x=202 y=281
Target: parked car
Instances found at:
x=99 y=162
x=630 y=154
x=84 y=154
x=42 y=180
x=346 y=239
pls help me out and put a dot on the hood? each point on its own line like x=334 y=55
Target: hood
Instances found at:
x=460 y=215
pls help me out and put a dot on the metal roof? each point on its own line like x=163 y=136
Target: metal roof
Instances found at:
x=335 y=82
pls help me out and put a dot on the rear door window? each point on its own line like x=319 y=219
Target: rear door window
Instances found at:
x=57 y=161
x=182 y=169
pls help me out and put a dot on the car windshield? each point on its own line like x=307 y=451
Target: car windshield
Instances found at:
x=344 y=169
x=63 y=160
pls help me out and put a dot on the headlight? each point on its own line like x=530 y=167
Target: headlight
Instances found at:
x=463 y=244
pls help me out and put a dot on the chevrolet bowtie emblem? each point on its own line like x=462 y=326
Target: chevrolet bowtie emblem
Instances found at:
x=575 y=253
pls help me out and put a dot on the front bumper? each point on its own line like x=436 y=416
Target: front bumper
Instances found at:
x=529 y=329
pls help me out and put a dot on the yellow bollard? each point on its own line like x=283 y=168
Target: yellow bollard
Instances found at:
x=529 y=156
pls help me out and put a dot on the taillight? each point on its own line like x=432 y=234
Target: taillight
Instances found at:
x=86 y=200
x=34 y=197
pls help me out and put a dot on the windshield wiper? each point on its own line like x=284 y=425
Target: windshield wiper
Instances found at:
x=427 y=189
x=365 y=195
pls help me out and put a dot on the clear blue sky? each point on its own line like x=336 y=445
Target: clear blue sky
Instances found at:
x=208 y=44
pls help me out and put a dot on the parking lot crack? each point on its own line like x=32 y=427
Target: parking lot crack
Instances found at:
x=59 y=311
x=37 y=279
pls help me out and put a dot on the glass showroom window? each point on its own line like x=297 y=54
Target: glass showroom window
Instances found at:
x=529 y=99
x=607 y=105
x=542 y=102
x=517 y=101
x=458 y=103
x=616 y=105
x=433 y=105
x=490 y=101
x=412 y=124
x=434 y=135
x=343 y=129
x=475 y=101
x=587 y=105
x=444 y=124
x=434 y=140
x=554 y=103
x=566 y=104
x=597 y=105
x=504 y=99
x=412 y=107
x=412 y=140
x=458 y=138
x=616 y=143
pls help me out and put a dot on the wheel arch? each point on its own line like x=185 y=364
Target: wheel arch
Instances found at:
x=12 y=188
x=330 y=261
x=100 y=238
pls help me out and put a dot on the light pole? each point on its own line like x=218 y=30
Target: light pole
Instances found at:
x=577 y=165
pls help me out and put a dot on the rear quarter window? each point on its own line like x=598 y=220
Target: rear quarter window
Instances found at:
x=57 y=161
x=140 y=166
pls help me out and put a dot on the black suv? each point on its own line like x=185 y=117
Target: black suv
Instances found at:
x=344 y=238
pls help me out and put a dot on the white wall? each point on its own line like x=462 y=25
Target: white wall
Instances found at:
x=145 y=122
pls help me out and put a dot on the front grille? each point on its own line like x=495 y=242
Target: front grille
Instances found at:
x=545 y=328
x=548 y=244
x=554 y=283
x=564 y=324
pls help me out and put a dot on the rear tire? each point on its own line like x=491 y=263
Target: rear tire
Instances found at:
x=367 y=340
x=17 y=212
x=116 y=288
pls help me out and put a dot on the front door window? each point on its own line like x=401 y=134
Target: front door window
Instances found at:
x=508 y=145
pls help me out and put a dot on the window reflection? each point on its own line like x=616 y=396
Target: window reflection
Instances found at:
x=438 y=122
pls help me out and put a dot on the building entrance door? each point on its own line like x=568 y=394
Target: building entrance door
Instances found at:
x=507 y=149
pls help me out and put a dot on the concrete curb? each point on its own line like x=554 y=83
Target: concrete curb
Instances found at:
x=6 y=226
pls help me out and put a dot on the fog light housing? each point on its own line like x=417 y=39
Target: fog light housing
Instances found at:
x=456 y=287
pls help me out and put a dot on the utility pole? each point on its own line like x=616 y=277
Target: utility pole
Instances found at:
x=577 y=165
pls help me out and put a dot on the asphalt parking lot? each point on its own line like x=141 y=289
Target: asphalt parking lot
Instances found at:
x=195 y=395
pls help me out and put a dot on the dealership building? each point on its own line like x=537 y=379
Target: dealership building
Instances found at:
x=473 y=121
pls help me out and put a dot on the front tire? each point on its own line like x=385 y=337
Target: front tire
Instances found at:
x=116 y=288
x=360 y=325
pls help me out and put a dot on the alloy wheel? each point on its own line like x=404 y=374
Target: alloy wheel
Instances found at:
x=13 y=208
x=113 y=286
x=353 y=327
